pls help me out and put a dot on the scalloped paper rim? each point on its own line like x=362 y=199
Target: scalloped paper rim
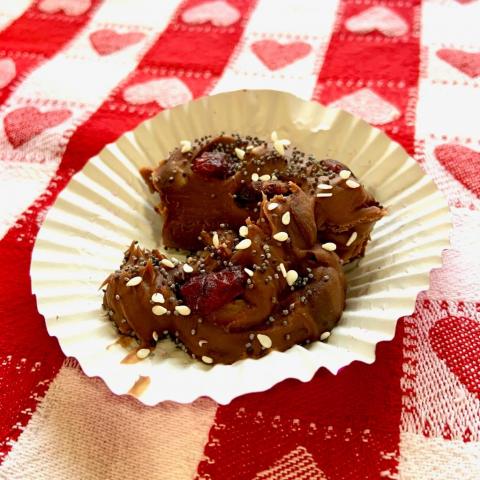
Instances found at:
x=106 y=205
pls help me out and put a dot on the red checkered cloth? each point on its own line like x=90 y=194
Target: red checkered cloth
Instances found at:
x=76 y=74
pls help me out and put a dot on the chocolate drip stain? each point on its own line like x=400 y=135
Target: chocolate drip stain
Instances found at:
x=139 y=386
x=131 y=358
x=123 y=341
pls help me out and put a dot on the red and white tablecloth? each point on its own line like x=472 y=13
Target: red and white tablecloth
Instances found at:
x=75 y=74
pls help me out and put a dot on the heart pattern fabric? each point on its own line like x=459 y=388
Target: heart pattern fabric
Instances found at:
x=381 y=19
x=289 y=466
x=167 y=92
x=275 y=55
x=462 y=162
x=218 y=13
x=456 y=341
x=458 y=277
x=466 y=62
x=68 y=7
x=8 y=71
x=23 y=124
x=106 y=41
x=368 y=105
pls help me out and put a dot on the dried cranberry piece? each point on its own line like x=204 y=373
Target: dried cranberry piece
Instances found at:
x=213 y=164
x=332 y=165
x=207 y=293
x=274 y=188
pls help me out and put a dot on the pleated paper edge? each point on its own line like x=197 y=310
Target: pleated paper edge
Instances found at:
x=139 y=135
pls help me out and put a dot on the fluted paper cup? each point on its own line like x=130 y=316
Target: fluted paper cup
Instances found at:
x=107 y=205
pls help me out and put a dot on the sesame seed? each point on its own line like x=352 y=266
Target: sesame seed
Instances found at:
x=329 y=246
x=283 y=270
x=183 y=310
x=272 y=206
x=281 y=236
x=155 y=336
x=201 y=343
x=324 y=336
x=324 y=186
x=352 y=183
x=244 y=244
x=186 y=146
x=324 y=195
x=215 y=240
x=248 y=272
x=167 y=263
x=133 y=282
x=143 y=353
x=352 y=238
x=187 y=268
x=274 y=136
x=264 y=340
x=285 y=142
x=345 y=174
x=286 y=218
x=159 y=310
x=292 y=277
x=243 y=231
x=265 y=178
x=240 y=153
x=158 y=298
x=206 y=359
x=250 y=147
x=278 y=146
x=255 y=177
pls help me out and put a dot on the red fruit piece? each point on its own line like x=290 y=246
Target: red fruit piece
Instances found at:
x=273 y=188
x=213 y=164
x=207 y=293
x=332 y=165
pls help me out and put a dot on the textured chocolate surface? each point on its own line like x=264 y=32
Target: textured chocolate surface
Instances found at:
x=270 y=229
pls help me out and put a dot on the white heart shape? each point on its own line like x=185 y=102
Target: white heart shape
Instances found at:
x=69 y=7
x=21 y=182
x=7 y=71
x=368 y=105
x=167 y=92
x=218 y=13
x=378 y=18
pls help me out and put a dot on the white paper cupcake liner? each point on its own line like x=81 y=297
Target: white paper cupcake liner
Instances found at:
x=107 y=205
